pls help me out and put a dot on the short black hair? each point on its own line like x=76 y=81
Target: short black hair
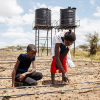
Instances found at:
x=70 y=36
x=31 y=47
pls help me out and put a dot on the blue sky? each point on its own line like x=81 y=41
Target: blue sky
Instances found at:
x=17 y=16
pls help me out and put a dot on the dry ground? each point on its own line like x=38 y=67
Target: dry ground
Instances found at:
x=43 y=65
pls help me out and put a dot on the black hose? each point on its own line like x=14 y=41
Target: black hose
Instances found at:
x=51 y=91
x=72 y=74
x=50 y=85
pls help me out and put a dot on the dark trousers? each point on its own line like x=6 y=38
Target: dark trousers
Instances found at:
x=30 y=79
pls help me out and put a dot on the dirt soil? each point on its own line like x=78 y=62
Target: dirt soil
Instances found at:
x=83 y=68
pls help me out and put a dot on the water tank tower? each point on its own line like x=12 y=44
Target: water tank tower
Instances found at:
x=43 y=17
x=67 y=16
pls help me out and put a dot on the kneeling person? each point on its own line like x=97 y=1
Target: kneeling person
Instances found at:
x=20 y=72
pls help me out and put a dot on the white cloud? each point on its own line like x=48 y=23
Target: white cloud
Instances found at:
x=17 y=29
x=38 y=5
x=41 y=5
x=97 y=14
x=17 y=33
x=30 y=10
x=9 y=8
x=92 y=2
x=34 y=7
x=12 y=21
x=21 y=42
x=19 y=20
x=86 y=26
x=2 y=44
x=55 y=11
x=10 y=14
x=28 y=18
x=2 y=19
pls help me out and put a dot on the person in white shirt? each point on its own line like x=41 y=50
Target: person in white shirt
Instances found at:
x=60 y=48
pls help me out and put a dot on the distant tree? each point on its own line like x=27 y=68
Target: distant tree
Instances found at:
x=19 y=47
x=98 y=47
x=24 y=48
x=93 y=40
x=11 y=48
x=3 y=49
x=83 y=47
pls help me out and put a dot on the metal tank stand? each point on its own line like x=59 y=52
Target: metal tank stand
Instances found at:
x=38 y=38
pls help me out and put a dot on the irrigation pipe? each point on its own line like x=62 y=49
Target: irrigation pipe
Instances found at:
x=14 y=56
x=85 y=61
x=76 y=73
x=49 y=67
x=50 y=59
x=10 y=56
x=51 y=91
x=36 y=59
x=49 y=85
x=36 y=62
x=88 y=73
x=72 y=74
x=15 y=62
x=29 y=68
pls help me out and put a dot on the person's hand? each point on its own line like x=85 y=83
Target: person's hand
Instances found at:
x=21 y=77
x=65 y=78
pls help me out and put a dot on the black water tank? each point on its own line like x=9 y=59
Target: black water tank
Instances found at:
x=43 y=17
x=67 y=16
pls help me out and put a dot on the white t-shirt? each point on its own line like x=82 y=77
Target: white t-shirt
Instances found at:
x=57 y=39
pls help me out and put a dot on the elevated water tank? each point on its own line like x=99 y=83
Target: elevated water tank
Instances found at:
x=43 y=17
x=67 y=16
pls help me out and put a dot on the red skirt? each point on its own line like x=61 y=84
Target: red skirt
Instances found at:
x=53 y=67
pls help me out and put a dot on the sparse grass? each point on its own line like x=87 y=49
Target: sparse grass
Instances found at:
x=40 y=51
x=5 y=52
x=79 y=54
x=95 y=57
x=78 y=57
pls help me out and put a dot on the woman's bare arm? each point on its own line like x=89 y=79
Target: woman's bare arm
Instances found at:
x=58 y=62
